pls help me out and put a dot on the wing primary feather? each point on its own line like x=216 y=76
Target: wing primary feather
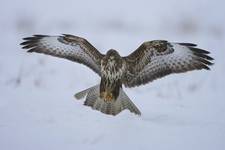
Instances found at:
x=27 y=42
x=204 y=66
x=198 y=50
x=188 y=44
x=29 y=46
x=205 y=61
x=33 y=50
x=204 y=56
x=40 y=35
x=28 y=38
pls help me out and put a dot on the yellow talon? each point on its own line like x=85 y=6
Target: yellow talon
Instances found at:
x=109 y=97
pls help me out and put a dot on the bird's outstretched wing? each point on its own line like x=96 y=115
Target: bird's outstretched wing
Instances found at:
x=66 y=46
x=156 y=59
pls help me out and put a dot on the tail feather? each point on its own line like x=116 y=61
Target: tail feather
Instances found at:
x=128 y=104
x=83 y=93
x=110 y=107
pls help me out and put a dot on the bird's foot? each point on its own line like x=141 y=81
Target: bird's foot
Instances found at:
x=107 y=97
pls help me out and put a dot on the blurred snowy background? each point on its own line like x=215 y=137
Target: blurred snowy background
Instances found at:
x=37 y=108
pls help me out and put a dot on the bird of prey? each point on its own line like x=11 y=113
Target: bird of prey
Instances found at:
x=150 y=61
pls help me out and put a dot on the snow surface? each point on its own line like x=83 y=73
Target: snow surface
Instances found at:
x=37 y=108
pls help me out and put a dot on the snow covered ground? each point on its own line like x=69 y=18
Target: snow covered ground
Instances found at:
x=37 y=108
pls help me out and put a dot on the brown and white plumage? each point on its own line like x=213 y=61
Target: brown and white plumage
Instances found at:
x=155 y=59
x=67 y=46
x=150 y=61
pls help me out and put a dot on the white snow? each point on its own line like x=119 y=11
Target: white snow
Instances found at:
x=37 y=107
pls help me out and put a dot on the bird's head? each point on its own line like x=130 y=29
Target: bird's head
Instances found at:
x=112 y=58
x=112 y=55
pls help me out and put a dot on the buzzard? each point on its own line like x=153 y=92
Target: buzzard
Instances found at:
x=150 y=61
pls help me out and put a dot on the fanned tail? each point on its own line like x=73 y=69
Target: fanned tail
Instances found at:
x=108 y=107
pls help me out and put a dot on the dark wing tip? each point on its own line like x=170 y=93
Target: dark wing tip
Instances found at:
x=35 y=37
x=198 y=50
x=40 y=35
x=193 y=47
x=203 y=58
x=188 y=44
x=205 y=64
x=31 y=50
x=28 y=38
x=205 y=67
x=31 y=42
x=24 y=43
x=204 y=61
